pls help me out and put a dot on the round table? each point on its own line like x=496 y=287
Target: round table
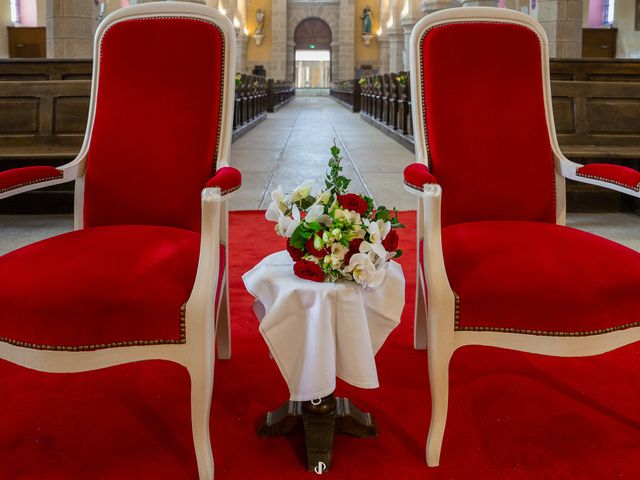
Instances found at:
x=315 y=333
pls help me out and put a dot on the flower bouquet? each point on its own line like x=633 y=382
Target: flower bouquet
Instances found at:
x=334 y=235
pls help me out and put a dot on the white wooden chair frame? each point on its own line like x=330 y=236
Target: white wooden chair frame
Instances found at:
x=202 y=318
x=434 y=329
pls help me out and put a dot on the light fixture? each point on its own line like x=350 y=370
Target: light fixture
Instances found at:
x=390 y=22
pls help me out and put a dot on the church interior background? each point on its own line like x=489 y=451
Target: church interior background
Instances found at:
x=357 y=36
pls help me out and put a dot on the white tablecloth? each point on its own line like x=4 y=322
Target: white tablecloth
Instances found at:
x=317 y=331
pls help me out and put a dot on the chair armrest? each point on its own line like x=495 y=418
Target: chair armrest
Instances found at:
x=24 y=179
x=227 y=179
x=17 y=178
x=616 y=174
x=416 y=176
x=613 y=177
x=200 y=308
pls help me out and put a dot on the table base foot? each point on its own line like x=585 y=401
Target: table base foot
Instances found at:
x=320 y=422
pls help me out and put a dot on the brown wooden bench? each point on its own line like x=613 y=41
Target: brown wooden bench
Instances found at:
x=44 y=105
x=598 y=122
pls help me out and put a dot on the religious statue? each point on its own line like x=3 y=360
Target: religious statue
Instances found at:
x=366 y=21
x=366 y=25
x=259 y=21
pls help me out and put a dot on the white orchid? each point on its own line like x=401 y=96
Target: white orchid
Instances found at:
x=377 y=230
x=286 y=225
x=380 y=254
x=277 y=206
x=316 y=214
x=323 y=197
x=300 y=192
x=363 y=268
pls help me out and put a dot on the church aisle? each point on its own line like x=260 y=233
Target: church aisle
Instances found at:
x=292 y=145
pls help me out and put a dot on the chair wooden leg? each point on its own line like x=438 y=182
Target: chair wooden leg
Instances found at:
x=201 y=390
x=223 y=326
x=439 y=383
x=420 y=316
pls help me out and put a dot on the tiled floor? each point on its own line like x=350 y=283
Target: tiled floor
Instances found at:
x=292 y=145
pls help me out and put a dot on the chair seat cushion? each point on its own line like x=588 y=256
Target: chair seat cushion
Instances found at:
x=538 y=278
x=99 y=287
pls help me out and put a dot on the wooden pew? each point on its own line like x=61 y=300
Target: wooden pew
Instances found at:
x=43 y=114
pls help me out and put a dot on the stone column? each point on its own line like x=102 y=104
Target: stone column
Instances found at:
x=241 y=51
x=383 y=42
x=346 y=38
x=278 y=66
x=396 y=49
x=70 y=28
x=411 y=16
x=562 y=20
x=430 y=6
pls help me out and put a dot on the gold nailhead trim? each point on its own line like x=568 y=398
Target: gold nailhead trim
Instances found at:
x=608 y=180
x=544 y=333
x=101 y=346
x=31 y=182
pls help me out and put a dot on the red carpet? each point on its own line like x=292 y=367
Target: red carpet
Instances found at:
x=511 y=415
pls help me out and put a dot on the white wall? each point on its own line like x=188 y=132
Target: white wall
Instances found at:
x=628 y=38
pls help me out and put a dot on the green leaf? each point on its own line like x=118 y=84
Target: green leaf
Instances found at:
x=314 y=226
x=382 y=214
x=398 y=253
x=300 y=236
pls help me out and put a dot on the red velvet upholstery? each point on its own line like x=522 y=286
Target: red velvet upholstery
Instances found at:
x=416 y=175
x=617 y=174
x=20 y=177
x=99 y=287
x=151 y=151
x=227 y=179
x=532 y=277
x=486 y=126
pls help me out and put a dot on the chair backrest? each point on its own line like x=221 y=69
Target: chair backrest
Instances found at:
x=482 y=114
x=161 y=111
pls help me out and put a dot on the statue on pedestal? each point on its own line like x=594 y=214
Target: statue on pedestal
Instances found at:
x=367 y=23
x=259 y=21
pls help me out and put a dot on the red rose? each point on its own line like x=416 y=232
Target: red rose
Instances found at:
x=354 y=247
x=308 y=271
x=390 y=242
x=295 y=252
x=312 y=250
x=351 y=201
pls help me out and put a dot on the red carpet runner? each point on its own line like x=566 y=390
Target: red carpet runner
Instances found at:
x=511 y=415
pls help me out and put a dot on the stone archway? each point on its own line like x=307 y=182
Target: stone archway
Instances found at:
x=297 y=12
x=312 y=53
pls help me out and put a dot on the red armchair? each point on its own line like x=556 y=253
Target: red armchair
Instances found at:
x=496 y=263
x=143 y=276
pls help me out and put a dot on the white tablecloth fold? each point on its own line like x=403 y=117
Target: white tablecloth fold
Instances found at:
x=317 y=331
